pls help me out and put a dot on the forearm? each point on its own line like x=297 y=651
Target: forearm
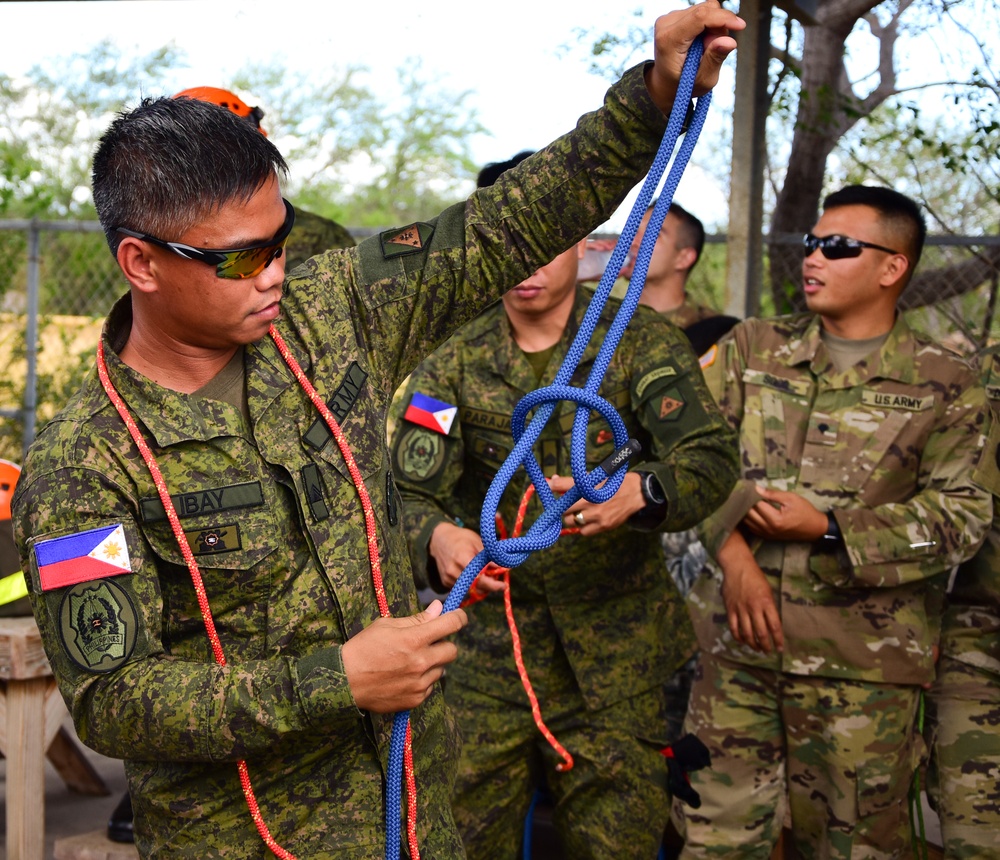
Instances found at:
x=921 y=538
x=716 y=528
x=160 y=708
x=701 y=473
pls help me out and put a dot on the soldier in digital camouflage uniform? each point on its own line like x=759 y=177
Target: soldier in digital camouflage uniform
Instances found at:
x=864 y=459
x=676 y=252
x=311 y=235
x=262 y=493
x=964 y=703
x=678 y=248
x=601 y=624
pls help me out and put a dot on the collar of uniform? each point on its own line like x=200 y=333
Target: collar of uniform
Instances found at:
x=167 y=417
x=895 y=359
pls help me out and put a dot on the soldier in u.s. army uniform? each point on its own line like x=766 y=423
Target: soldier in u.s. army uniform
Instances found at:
x=264 y=643
x=963 y=727
x=866 y=465
x=601 y=623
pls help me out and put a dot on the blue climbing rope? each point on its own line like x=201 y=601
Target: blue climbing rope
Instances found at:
x=543 y=533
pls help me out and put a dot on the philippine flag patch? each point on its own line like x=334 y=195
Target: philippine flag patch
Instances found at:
x=433 y=414
x=82 y=557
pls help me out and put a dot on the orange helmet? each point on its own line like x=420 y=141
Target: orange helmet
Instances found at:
x=226 y=99
x=9 y=473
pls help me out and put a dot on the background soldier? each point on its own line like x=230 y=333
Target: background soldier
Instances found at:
x=676 y=252
x=859 y=443
x=603 y=626
x=964 y=703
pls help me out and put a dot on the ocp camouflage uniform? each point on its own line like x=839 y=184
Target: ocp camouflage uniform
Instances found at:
x=964 y=703
x=892 y=446
x=275 y=521
x=601 y=624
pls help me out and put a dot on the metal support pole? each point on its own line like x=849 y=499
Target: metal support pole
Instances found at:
x=31 y=337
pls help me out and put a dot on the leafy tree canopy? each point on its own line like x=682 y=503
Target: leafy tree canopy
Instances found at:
x=356 y=157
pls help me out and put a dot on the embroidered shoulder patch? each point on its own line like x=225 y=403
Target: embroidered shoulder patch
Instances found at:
x=408 y=240
x=98 y=625
x=651 y=377
x=420 y=454
x=82 y=557
x=433 y=414
x=670 y=406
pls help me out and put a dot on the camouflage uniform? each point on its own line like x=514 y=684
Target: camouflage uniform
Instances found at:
x=964 y=703
x=892 y=446
x=601 y=624
x=689 y=312
x=275 y=521
x=311 y=235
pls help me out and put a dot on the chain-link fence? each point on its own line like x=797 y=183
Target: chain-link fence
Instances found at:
x=59 y=281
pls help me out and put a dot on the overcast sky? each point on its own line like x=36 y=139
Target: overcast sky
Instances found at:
x=526 y=88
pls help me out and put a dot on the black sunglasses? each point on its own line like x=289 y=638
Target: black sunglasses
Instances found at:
x=837 y=247
x=230 y=262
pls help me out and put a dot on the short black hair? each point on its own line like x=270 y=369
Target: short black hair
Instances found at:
x=691 y=233
x=900 y=214
x=168 y=163
x=491 y=172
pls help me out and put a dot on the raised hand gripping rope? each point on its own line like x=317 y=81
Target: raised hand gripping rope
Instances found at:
x=510 y=552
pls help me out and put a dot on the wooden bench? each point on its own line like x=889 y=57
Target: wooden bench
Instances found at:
x=31 y=727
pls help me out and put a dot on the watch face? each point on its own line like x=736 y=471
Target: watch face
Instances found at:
x=652 y=492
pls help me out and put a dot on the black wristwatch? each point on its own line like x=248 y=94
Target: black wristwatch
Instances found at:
x=651 y=516
x=652 y=491
x=833 y=538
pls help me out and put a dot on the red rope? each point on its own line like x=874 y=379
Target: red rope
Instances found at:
x=373 y=558
x=503 y=574
x=199 y=587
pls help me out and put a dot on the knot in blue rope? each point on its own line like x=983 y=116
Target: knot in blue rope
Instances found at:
x=603 y=482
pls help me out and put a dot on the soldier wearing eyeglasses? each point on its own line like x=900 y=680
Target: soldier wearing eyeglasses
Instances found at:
x=211 y=558
x=867 y=462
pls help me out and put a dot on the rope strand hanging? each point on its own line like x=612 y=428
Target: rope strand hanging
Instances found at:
x=507 y=552
x=512 y=551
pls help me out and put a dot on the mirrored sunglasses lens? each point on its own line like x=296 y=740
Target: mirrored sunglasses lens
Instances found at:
x=247 y=264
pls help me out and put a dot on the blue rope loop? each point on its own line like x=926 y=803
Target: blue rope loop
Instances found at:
x=534 y=410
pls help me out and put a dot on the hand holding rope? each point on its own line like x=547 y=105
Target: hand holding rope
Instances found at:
x=604 y=481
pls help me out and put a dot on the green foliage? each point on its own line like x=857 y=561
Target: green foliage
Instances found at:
x=412 y=152
x=365 y=161
x=51 y=119
x=612 y=53
x=948 y=163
